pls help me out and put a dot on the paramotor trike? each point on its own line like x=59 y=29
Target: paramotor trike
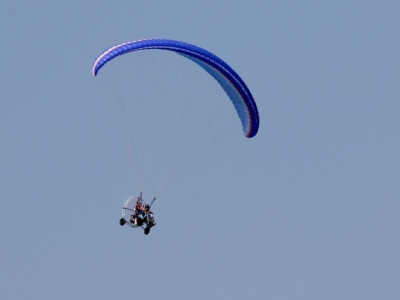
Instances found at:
x=136 y=213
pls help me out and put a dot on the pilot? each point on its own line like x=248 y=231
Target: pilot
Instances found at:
x=148 y=216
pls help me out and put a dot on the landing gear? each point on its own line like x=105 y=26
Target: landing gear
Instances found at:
x=122 y=222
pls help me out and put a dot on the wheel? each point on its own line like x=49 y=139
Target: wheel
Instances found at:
x=122 y=222
x=146 y=231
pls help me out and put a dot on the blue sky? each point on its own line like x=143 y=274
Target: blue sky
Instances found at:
x=308 y=209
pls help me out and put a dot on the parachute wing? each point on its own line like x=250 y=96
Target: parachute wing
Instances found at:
x=229 y=80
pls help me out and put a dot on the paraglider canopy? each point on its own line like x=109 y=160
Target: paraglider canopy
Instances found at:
x=229 y=80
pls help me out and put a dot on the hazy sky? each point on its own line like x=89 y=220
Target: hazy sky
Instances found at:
x=308 y=209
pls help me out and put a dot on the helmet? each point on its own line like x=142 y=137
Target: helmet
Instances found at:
x=147 y=206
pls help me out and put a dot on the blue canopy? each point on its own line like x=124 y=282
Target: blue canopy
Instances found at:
x=229 y=80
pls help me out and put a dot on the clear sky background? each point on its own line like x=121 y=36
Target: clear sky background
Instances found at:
x=308 y=209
